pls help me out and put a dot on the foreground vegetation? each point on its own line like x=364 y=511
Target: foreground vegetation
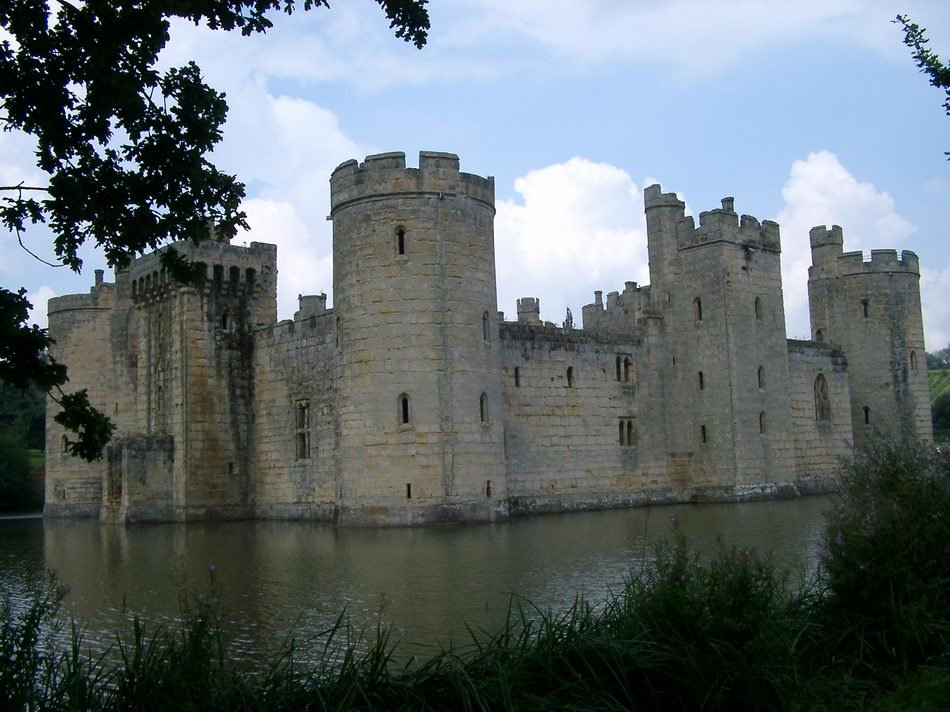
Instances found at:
x=870 y=630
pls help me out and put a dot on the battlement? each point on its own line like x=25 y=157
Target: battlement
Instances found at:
x=438 y=177
x=882 y=261
x=236 y=266
x=310 y=305
x=725 y=225
x=654 y=197
x=621 y=310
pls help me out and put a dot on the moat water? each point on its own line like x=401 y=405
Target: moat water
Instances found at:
x=274 y=579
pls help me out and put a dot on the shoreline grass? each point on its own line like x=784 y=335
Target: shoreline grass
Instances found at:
x=871 y=630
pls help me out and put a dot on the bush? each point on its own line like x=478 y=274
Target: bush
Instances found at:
x=16 y=487
x=886 y=551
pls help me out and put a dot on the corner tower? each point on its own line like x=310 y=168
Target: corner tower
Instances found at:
x=871 y=310
x=419 y=408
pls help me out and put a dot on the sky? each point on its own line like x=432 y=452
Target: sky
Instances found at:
x=809 y=113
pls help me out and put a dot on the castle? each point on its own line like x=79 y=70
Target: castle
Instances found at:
x=413 y=400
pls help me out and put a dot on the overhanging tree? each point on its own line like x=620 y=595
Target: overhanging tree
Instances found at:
x=123 y=147
x=927 y=61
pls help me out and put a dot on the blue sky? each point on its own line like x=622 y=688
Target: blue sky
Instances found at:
x=807 y=112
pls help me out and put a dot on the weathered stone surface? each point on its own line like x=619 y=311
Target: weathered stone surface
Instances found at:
x=411 y=401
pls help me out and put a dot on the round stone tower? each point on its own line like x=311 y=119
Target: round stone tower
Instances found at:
x=871 y=310
x=419 y=409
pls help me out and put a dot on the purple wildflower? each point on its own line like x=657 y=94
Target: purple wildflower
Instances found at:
x=212 y=568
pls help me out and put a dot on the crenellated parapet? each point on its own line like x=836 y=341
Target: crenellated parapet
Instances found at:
x=621 y=310
x=829 y=259
x=725 y=225
x=385 y=174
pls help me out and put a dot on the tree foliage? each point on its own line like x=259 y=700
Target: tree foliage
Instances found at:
x=939 y=359
x=123 y=147
x=927 y=61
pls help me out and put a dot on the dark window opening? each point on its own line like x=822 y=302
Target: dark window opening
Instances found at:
x=302 y=423
x=234 y=275
x=867 y=415
x=65 y=445
x=570 y=376
x=224 y=320
x=702 y=381
x=761 y=376
x=404 y=409
x=702 y=433
x=762 y=423
x=517 y=377
x=486 y=331
x=629 y=433
x=623 y=433
x=819 y=336
x=409 y=490
x=627 y=370
x=488 y=488
x=864 y=308
x=619 y=369
x=698 y=308
x=218 y=273
x=757 y=309
x=230 y=468
x=249 y=276
x=401 y=240
x=913 y=361
x=483 y=408
x=822 y=401
x=674 y=360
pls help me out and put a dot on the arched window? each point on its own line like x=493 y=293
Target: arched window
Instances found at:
x=864 y=308
x=570 y=376
x=404 y=413
x=400 y=240
x=64 y=444
x=517 y=377
x=762 y=423
x=249 y=276
x=483 y=408
x=485 y=327
x=619 y=369
x=627 y=370
x=822 y=402
x=234 y=275
x=819 y=336
x=225 y=321
x=698 y=308
x=913 y=361
x=629 y=432
x=134 y=289
x=761 y=376
x=757 y=309
x=218 y=273
x=867 y=415
x=622 y=431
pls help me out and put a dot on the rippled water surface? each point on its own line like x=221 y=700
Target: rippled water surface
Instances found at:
x=277 y=578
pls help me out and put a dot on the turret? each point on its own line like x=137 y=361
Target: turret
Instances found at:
x=871 y=311
x=414 y=298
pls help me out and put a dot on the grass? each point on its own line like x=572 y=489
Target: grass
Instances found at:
x=939 y=379
x=726 y=632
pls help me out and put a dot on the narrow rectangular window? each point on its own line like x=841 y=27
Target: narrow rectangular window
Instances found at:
x=517 y=377
x=408 y=490
x=302 y=424
x=702 y=383
x=702 y=432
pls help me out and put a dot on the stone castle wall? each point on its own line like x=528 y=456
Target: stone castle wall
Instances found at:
x=413 y=401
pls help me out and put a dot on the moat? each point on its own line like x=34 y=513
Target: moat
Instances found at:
x=272 y=578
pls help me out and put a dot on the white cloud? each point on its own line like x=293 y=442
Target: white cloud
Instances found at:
x=820 y=191
x=39 y=299
x=579 y=228
x=689 y=36
x=304 y=264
